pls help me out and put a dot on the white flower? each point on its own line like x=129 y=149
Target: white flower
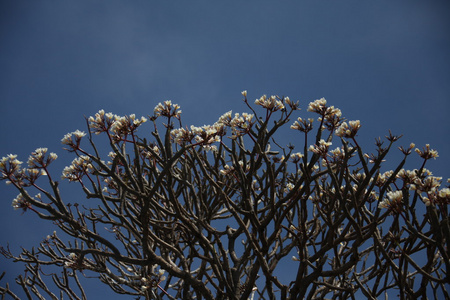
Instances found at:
x=393 y=200
x=348 y=130
x=317 y=106
x=271 y=103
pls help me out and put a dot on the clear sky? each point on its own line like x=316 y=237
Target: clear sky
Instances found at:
x=386 y=63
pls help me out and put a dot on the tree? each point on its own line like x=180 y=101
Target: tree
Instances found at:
x=212 y=212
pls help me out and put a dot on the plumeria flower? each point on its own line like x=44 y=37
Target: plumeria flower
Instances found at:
x=167 y=109
x=125 y=125
x=79 y=167
x=241 y=124
x=225 y=119
x=272 y=103
x=303 y=125
x=428 y=185
x=427 y=153
x=10 y=166
x=348 y=130
x=382 y=178
x=318 y=106
x=320 y=149
x=393 y=201
x=181 y=135
x=73 y=139
x=101 y=122
x=20 y=203
x=38 y=158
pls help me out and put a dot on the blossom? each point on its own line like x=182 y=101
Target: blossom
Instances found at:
x=407 y=176
x=125 y=125
x=271 y=103
x=393 y=201
x=244 y=93
x=37 y=158
x=9 y=165
x=101 y=122
x=296 y=157
x=79 y=167
x=167 y=109
x=321 y=148
x=303 y=125
x=292 y=105
x=382 y=178
x=427 y=153
x=348 y=130
x=181 y=135
x=20 y=203
x=318 y=106
x=225 y=119
x=230 y=169
x=240 y=124
x=429 y=184
x=67 y=139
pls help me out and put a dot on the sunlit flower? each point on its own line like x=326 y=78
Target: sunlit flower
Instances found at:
x=240 y=124
x=427 y=185
x=407 y=176
x=38 y=158
x=181 y=135
x=382 y=178
x=318 y=106
x=9 y=166
x=20 y=203
x=427 y=153
x=271 y=103
x=296 y=157
x=101 y=122
x=348 y=130
x=79 y=167
x=393 y=201
x=303 y=125
x=167 y=109
x=320 y=149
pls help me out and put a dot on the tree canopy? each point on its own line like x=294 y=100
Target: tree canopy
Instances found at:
x=233 y=211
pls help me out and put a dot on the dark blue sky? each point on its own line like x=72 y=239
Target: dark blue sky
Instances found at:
x=386 y=63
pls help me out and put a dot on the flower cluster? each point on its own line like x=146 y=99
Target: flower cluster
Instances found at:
x=318 y=106
x=231 y=169
x=208 y=134
x=79 y=167
x=205 y=135
x=104 y=122
x=153 y=281
x=296 y=157
x=303 y=125
x=241 y=124
x=73 y=139
x=167 y=109
x=125 y=125
x=21 y=203
x=101 y=122
x=320 y=149
x=348 y=130
x=9 y=166
x=330 y=115
x=383 y=178
x=272 y=103
x=427 y=153
x=38 y=158
x=393 y=201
